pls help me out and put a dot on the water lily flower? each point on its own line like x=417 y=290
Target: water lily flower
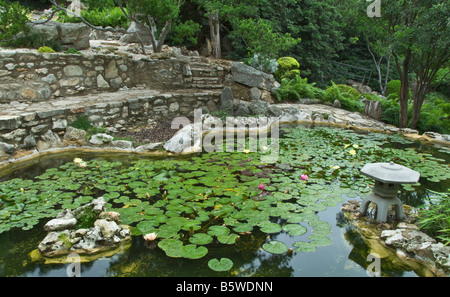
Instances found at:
x=335 y=167
x=352 y=152
x=150 y=236
x=246 y=151
x=303 y=177
x=264 y=148
x=261 y=186
x=83 y=164
x=356 y=146
x=77 y=160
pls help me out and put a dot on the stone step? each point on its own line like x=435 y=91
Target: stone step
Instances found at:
x=207 y=86
x=197 y=79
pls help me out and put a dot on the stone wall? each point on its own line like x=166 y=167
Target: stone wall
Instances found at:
x=44 y=129
x=34 y=77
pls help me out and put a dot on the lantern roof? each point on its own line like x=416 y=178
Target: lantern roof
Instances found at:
x=391 y=173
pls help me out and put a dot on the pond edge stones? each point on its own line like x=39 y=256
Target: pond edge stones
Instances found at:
x=105 y=234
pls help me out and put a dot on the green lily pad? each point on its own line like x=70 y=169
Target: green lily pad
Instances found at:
x=224 y=264
x=218 y=231
x=270 y=228
x=275 y=247
x=172 y=247
x=228 y=239
x=294 y=229
x=191 y=251
x=305 y=247
x=201 y=238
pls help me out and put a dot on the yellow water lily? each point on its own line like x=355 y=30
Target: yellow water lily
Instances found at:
x=335 y=167
x=352 y=152
x=246 y=151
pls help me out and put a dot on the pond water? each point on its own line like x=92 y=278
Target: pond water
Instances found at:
x=212 y=204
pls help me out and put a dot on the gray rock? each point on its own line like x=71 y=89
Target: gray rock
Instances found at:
x=60 y=224
x=59 y=125
x=7 y=148
x=251 y=77
x=122 y=144
x=101 y=82
x=101 y=138
x=107 y=228
x=29 y=142
x=74 y=35
x=74 y=136
x=373 y=109
x=226 y=100
x=135 y=33
x=149 y=147
x=48 y=140
x=255 y=93
x=258 y=107
x=275 y=110
x=242 y=110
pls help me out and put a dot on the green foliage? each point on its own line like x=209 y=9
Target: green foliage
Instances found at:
x=288 y=67
x=393 y=89
x=33 y=40
x=261 y=39
x=435 y=217
x=45 y=49
x=101 y=16
x=73 y=51
x=183 y=33
x=349 y=97
x=13 y=18
x=297 y=88
x=435 y=114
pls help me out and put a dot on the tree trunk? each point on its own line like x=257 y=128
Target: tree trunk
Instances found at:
x=404 y=91
x=419 y=97
x=214 y=27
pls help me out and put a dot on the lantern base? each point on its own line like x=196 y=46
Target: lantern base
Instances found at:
x=383 y=205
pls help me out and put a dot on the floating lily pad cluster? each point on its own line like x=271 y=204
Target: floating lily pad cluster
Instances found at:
x=217 y=198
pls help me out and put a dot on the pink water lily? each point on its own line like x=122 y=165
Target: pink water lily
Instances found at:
x=261 y=186
x=303 y=177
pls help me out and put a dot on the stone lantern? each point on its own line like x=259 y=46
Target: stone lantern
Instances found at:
x=388 y=178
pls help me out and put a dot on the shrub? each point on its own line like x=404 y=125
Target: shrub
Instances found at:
x=33 y=40
x=349 y=97
x=13 y=18
x=435 y=114
x=288 y=67
x=393 y=89
x=73 y=51
x=434 y=219
x=45 y=49
x=297 y=88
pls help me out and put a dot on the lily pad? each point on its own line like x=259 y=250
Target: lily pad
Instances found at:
x=275 y=247
x=228 y=239
x=294 y=229
x=270 y=228
x=201 y=238
x=224 y=264
x=305 y=247
x=172 y=247
x=192 y=251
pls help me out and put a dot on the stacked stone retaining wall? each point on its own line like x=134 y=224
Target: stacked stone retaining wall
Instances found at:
x=35 y=77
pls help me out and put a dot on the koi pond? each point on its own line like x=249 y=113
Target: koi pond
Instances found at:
x=220 y=213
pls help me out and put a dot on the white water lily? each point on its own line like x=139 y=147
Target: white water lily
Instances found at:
x=150 y=236
x=77 y=161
